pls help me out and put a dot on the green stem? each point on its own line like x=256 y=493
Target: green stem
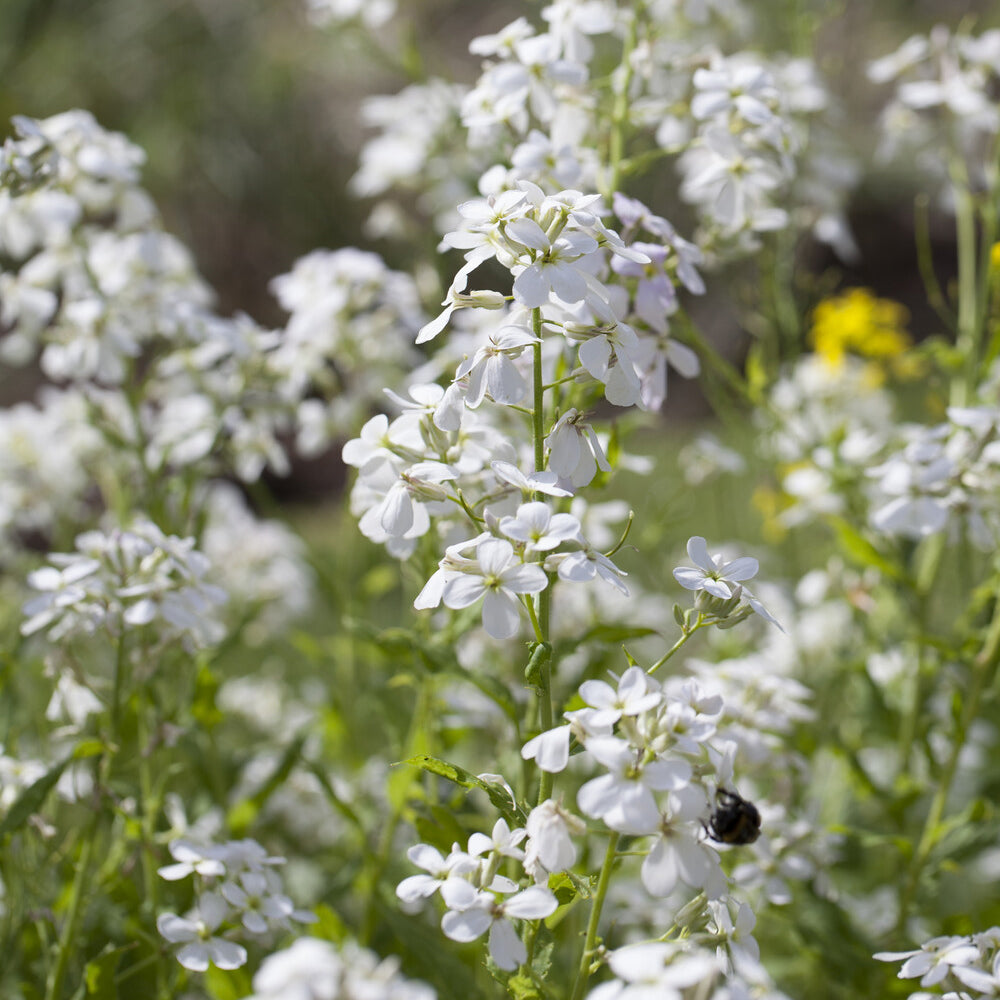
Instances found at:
x=967 y=340
x=150 y=807
x=538 y=402
x=54 y=986
x=676 y=646
x=542 y=622
x=928 y=563
x=620 y=113
x=982 y=670
x=590 y=942
x=416 y=742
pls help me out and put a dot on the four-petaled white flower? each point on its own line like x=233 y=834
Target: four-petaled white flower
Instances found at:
x=201 y=947
x=538 y=529
x=492 y=371
x=712 y=575
x=472 y=913
x=497 y=577
x=623 y=798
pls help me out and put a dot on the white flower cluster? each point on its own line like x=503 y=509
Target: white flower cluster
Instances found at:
x=955 y=966
x=674 y=970
x=311 y=969
x=944 y=82
x=127 y=579
x=46 y=450
x=478 y=899
x=350 y=331
x=664 y=763
x=946 y=475
x=372 y=13
x=825 y=426
x=94 y=279
x=239 y=892
x=261 y=565
x=649 y=738
x=539 y=109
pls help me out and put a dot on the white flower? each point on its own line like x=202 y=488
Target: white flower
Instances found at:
x=680 y=855
x=610 y=356
x=657 y=969
x=636 y=693
x=550 y=830
x=550 y=750
x=483 y=912
x=497 y=578
x=201 y=946
x=533 y=482
x=538 y=529
x=259 y=903
x=575 y=453
x=934 y=959
x=192 y=859
x=717 y=578
x=502 y=842
x=492 y=371
x=623 y=798
x=439 y=869
x=586 y=565
x=730 y=85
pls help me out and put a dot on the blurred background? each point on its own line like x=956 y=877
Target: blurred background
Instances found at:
x=249 y=114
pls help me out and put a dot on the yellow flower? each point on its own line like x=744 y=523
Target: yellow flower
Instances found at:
x=857 y=322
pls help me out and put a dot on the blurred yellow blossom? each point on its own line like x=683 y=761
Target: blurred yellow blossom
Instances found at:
x=857 y=322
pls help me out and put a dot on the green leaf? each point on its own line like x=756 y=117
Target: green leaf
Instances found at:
x=228 y=985
x=328 y=925
x=510 y=811
x=99 y=975
x=31 y=799
x=523 y=988
x=615 y=634
x=89 y=748
x=563 y=888
x=858 y=548
x=242 y=814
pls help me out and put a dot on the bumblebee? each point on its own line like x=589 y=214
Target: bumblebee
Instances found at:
x=734 y=821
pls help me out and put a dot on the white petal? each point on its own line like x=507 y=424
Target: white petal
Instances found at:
x=506 y=948
x=501 y=615
x=697 y=550
x=465 y=925
x=194 y=957
x=532 y=904
x=227 y=954
x=463 y=591
x=175 y=928
x=550 y=750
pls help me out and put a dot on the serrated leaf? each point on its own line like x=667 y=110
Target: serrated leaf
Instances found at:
x=523 y=988
x=31 y=799
x=563 y=888
x=452 y=772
